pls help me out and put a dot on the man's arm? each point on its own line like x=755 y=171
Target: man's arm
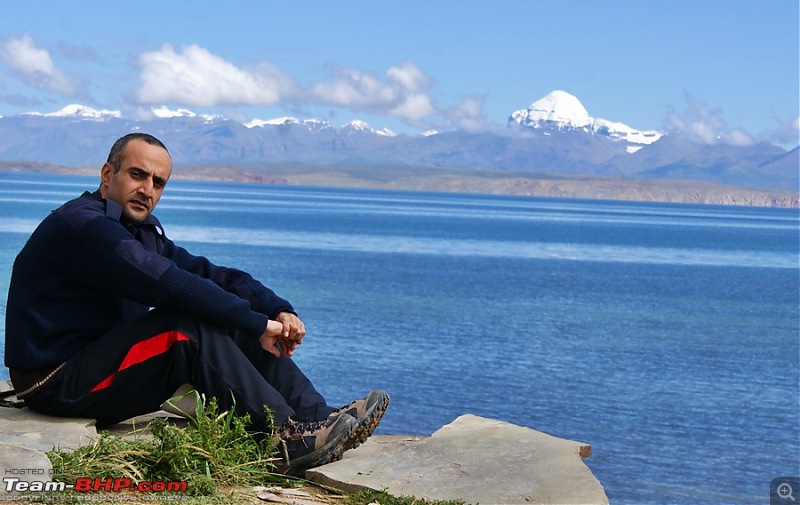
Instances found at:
x=240 y=283
x=243 y=285
x=107 y=257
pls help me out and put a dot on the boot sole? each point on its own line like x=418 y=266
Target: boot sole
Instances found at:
x=368 y=422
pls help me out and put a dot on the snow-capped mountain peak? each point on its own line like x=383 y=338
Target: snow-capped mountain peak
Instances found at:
x=359 y=125
x=278 y=121
x=558 y=107
x=386 y=132
x=310 y=124
x=563 y=111
x=82 y=112
x=164 y=112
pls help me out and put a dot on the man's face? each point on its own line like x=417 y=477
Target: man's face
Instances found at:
x=137 y=186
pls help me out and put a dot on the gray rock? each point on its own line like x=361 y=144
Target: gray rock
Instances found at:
x=19 y=463
x=473 y=459
x=44 y=433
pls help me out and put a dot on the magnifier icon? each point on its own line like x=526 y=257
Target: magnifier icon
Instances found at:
x=785 y=491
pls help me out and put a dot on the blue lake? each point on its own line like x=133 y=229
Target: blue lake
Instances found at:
x=666 y=336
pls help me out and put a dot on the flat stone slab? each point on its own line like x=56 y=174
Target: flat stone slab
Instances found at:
x=44 y=433
x=23 y=463
x=473 y=459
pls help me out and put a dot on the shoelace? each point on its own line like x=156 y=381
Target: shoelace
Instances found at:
x=345 y=408
x=295 y=430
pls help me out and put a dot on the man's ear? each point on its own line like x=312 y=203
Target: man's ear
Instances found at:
x=105 y=177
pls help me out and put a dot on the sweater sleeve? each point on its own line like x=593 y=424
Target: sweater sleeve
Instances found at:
x=108 y=257
x=240 y=283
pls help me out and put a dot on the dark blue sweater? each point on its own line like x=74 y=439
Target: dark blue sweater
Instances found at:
x=83 y=272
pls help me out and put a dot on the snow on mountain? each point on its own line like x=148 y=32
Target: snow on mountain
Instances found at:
x=624 y=132
x=164 y=112
x=561 y=138
x=563 y=111
x=362 y=126
x=278 y=121
x=359 y=125
x=82 y=112
x=317 y=125
x=558 y=108
x=311 y=124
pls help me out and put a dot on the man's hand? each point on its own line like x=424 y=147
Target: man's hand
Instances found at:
x=287 y=331
x=269 y=338
x=293 y=328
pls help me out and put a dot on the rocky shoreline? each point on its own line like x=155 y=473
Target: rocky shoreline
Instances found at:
x=472 y=459
x=464 y=181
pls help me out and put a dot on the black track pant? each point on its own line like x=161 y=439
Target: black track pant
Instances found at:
x=133 y=369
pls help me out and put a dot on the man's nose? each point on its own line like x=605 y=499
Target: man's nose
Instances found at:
x=146 y=187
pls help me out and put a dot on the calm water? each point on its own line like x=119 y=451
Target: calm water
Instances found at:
x=665 y=336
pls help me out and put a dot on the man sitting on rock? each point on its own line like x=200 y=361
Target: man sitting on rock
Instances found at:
x=107 y=317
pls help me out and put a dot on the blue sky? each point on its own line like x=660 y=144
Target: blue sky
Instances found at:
x=717 y=68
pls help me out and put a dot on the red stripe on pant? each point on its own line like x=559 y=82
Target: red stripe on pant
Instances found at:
x=142 y=351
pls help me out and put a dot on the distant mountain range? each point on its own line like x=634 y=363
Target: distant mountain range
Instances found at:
x=555 y=135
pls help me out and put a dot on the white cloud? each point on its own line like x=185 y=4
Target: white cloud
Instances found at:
x=738 y=137
x=409 y=77
x=705 y=125
x=196 y=77
x=415 y=107
x=467 y=114
x=784 y=134
x=353 y=88
x=470 y=107
x=400 y=93
x=34 y=66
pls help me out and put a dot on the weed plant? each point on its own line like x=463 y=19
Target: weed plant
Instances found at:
x=212 y=454
x=214 y=450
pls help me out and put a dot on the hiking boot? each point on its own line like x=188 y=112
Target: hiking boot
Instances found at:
x=367 y=411
x=310 y=444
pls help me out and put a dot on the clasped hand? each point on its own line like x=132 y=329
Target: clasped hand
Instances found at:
x=283 y=335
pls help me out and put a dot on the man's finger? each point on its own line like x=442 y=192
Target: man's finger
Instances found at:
x=274 y=351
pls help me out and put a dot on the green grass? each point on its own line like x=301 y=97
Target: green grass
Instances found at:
x=215 y=455
x=382 y=498
x=214 y=450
